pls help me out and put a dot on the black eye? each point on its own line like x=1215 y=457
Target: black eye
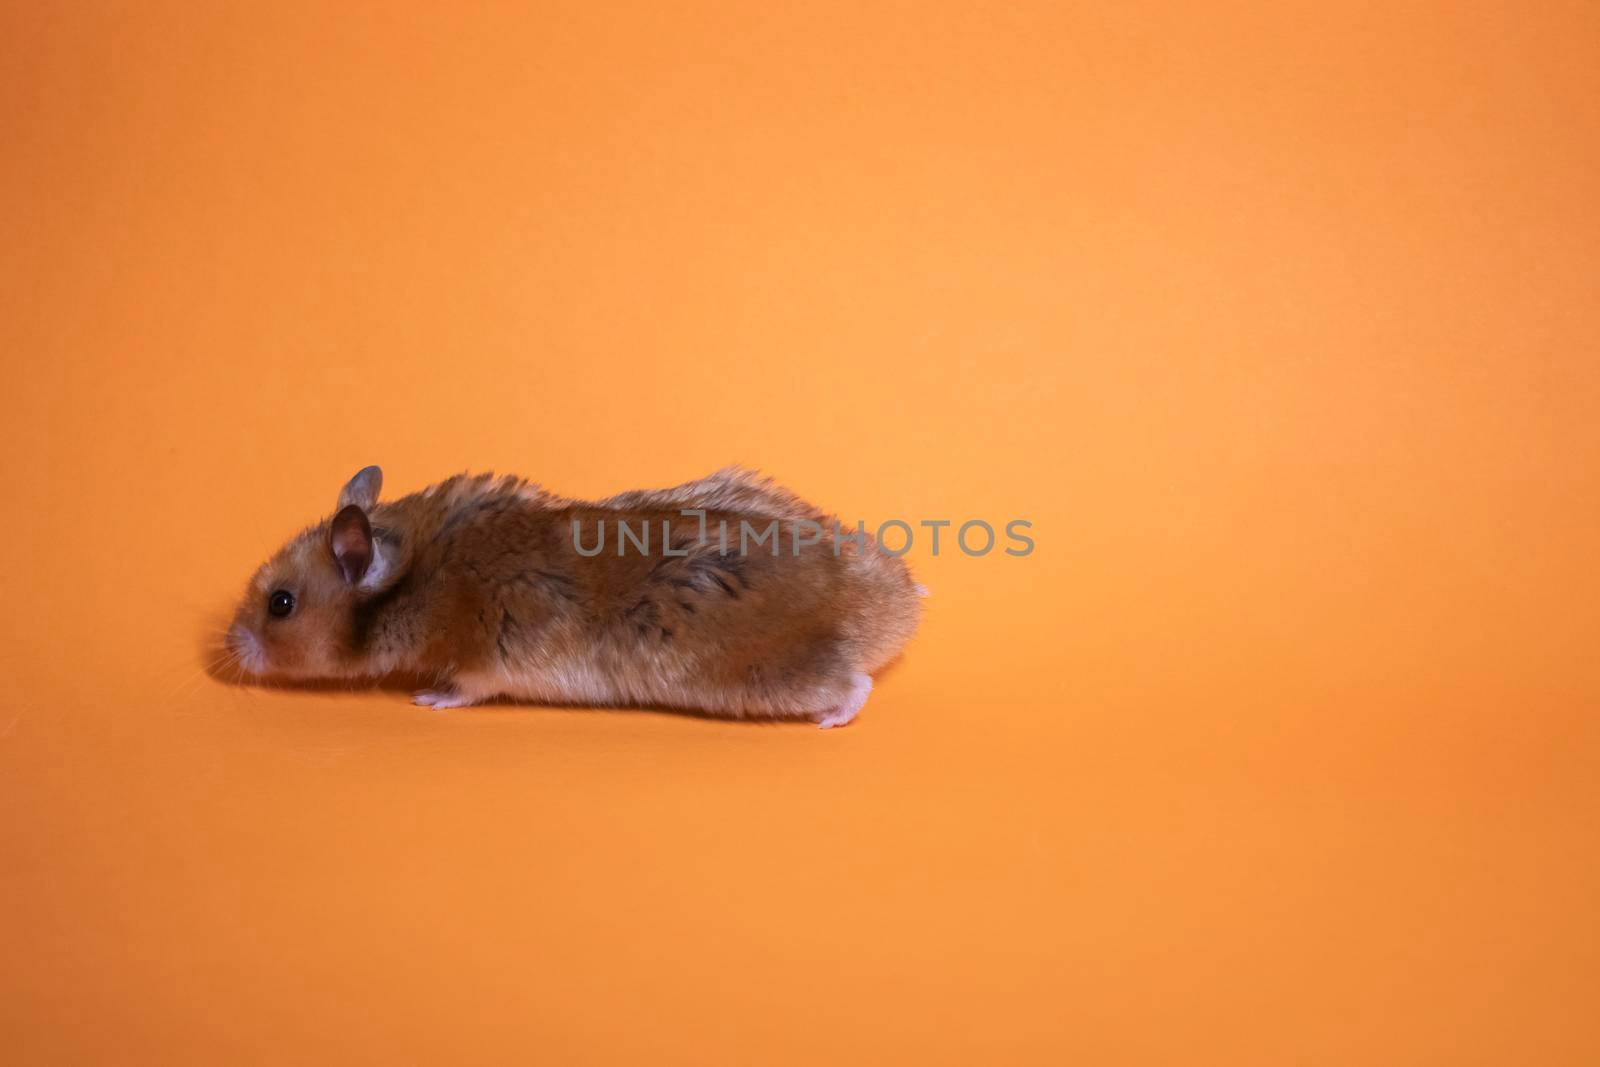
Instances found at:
x=280 y=603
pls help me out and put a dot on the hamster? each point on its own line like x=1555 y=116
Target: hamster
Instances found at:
x=494 y=587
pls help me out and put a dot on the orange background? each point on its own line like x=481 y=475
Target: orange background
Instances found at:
x=1278 y=320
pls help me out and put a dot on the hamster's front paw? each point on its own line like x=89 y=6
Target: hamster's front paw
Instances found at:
x=439 y=699
x=860 y=688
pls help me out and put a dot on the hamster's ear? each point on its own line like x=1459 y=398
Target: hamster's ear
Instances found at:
x=361 y=490
x=350 y=537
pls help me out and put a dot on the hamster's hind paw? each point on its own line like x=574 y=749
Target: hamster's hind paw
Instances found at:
x=439 y=699
x=860 y=687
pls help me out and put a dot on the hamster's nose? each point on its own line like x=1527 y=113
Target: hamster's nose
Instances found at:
x=243 y=644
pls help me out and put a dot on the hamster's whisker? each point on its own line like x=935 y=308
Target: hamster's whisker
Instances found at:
x=176 y=691
x=208 y=666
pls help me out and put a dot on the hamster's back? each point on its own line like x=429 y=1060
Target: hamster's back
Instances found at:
x=881 y=603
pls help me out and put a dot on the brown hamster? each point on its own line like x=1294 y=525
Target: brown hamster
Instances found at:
x=495 y=587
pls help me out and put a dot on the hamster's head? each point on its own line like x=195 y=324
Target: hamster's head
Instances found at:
x=299 y=616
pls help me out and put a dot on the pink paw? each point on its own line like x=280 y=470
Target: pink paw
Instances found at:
x=439 y=699
x=860 y=687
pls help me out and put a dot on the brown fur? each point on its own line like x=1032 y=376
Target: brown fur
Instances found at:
x=476 y=582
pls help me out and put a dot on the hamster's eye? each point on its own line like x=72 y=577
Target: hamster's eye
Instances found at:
x=280 y=602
